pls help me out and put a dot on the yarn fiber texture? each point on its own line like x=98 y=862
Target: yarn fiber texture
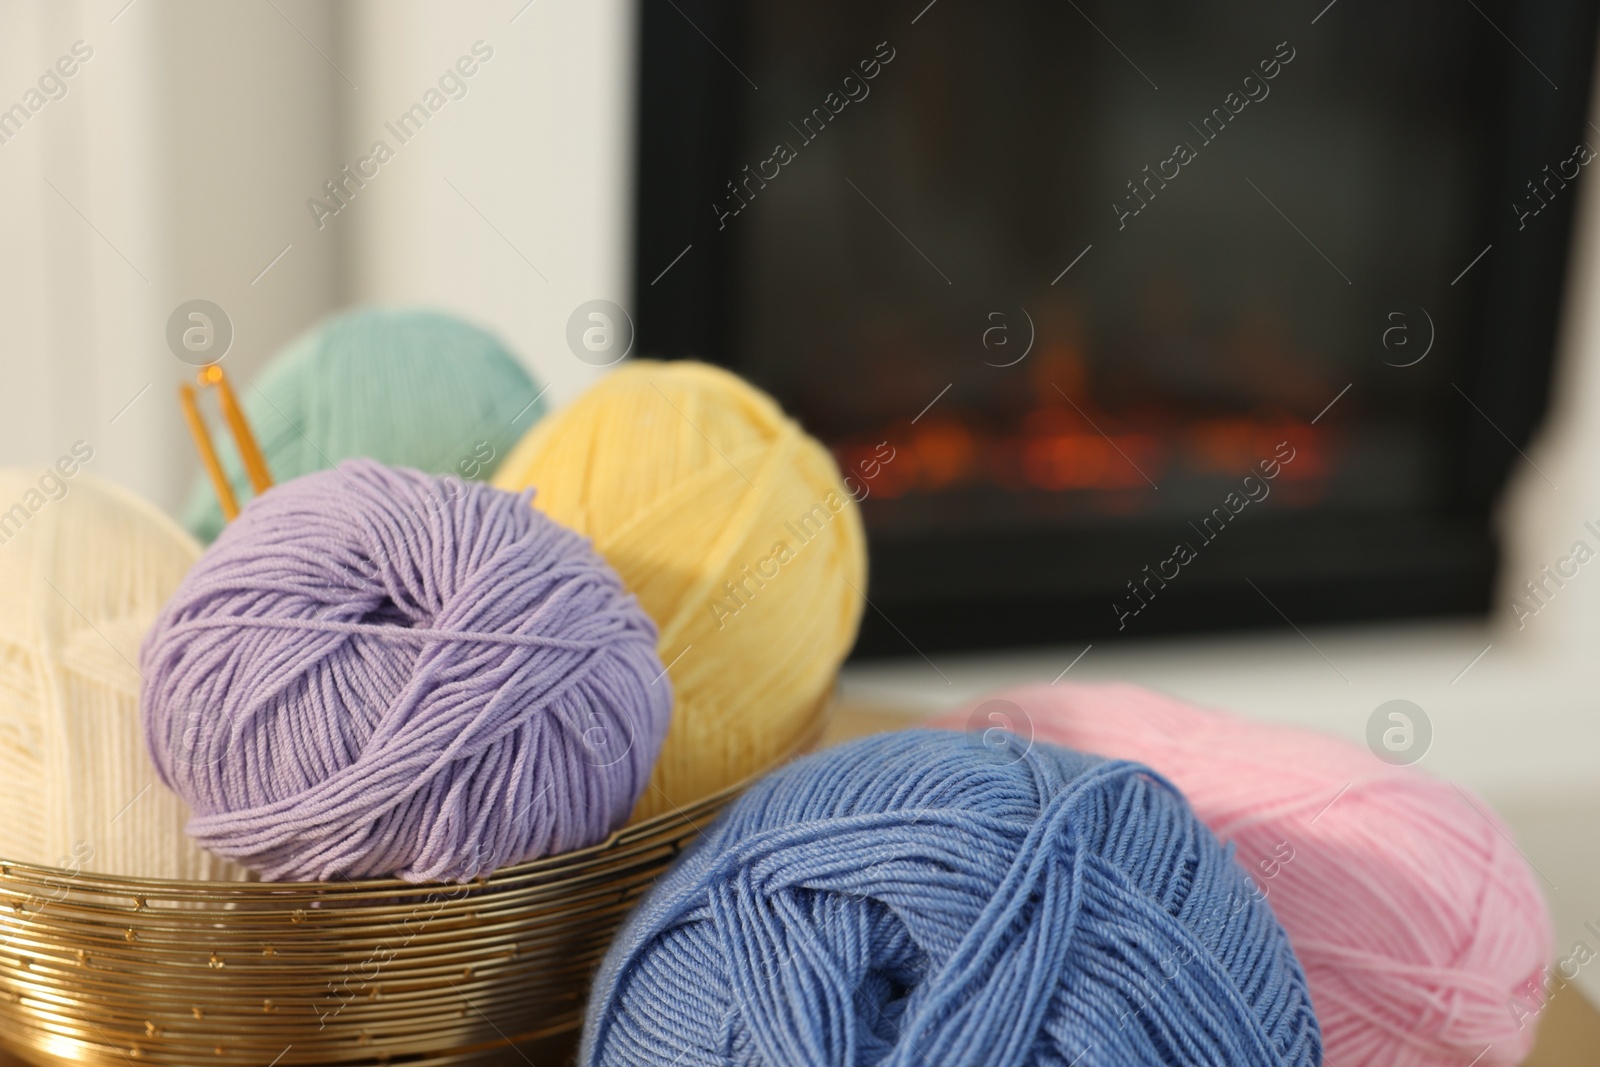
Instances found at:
x=915 y=898
x=1422 y=930
x=375 y=671
x=734 y=529
x=82 y=578
x=404 y=386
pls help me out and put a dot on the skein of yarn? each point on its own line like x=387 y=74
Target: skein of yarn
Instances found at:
x=915 y=898
x=84 y=568
x=735 y=531
x=1421 y=928
x=404 y=386
x=375 y=671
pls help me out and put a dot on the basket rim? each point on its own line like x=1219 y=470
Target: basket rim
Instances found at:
x=576 y=860
x=573 y=862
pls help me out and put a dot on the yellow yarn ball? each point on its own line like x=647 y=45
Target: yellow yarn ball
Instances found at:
x=735 y=531
x=84 y=568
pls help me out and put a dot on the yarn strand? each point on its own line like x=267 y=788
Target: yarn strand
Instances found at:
x=1423 y=932
x=915 y=899
x=481 y=691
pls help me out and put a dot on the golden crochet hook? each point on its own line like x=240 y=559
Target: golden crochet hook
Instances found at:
x=255 y=464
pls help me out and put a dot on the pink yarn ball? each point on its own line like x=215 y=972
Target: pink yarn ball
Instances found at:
x=1421 y=929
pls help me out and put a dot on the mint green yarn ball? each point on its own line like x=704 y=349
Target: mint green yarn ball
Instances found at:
x=406 y=387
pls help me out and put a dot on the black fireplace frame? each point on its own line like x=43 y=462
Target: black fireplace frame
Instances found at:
x=988 y=589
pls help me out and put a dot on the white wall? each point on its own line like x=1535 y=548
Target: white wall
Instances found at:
x=71 y=305
x=1542 y=521
x=182 y=142
x=512 y=206
x=193 y=138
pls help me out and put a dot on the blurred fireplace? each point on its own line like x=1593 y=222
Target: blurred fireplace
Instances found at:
x=1047 y=344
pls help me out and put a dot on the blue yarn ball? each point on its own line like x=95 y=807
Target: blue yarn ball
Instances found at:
x=405 y=386
x=922 y=899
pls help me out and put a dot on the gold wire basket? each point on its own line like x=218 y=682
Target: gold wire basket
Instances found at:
x=97 y=969
x=106 y=970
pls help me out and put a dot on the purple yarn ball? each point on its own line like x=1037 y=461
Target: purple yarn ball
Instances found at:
x=375 y=671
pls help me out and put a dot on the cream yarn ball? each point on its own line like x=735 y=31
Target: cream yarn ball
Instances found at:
x=84 y=568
